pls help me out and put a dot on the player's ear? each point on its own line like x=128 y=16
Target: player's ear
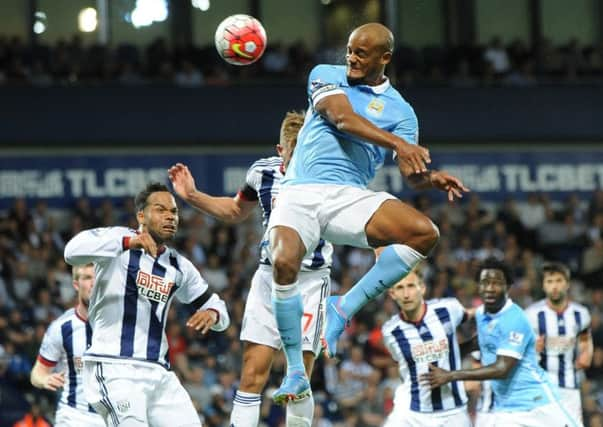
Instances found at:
x=140 y=217
x=279 y=149
x=386 y=57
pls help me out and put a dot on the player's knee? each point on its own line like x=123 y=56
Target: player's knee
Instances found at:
x=427 y=235
x=285 y=268
x=252 y=379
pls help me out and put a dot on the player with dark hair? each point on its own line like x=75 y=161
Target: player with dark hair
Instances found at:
x=523 y=394
x=126 y=376
x=564 y=343
x=354 y=117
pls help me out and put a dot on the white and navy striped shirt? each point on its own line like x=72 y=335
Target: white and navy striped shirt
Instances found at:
x=63 y=346
x=561 y=330
x=263 y=183
x=132 y=294
x=417 y=345
x=485 y=403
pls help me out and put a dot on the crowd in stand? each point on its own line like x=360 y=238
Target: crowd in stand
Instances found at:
x=69 y=63
x=36 y=286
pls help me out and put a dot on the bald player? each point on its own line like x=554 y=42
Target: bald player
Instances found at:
x=354 y=117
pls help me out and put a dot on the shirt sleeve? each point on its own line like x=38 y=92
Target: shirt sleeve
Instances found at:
x=192 y=285
x=253 y=180
x=97 y=245
x=408 y=127
x=390 y=343
x=457 y=311
x=586 y=322
x=515 y=336
x=51 y=348
x=323 y=81
x=216 y=303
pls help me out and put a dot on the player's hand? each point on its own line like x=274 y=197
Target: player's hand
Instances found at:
x=415 y=156
x=55 y=381
x=202 y=320
x=448 y=183
x=539 y=347
x=143 y=241
x=182 y=180
x=436 y=377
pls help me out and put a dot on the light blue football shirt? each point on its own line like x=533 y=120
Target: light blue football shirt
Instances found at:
x=508 y=333
x=324 y=155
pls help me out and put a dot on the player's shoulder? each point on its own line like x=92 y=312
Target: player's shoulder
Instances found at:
x=117 y=230
x=67 y=316
x=536 y=306
x=580 y=308
x=266 y=163
x=324 y=74
x=390 y=324
x=443 y=302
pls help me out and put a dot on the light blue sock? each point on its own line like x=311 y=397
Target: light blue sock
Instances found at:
x=394 y=263
x=288 y=308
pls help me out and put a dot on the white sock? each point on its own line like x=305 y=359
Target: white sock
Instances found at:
x=300 y=413
x=284 y=291
x=245 y=409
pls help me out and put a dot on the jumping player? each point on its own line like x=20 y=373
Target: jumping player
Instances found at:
x=354 y=116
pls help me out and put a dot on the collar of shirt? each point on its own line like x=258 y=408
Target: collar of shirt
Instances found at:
x=504 y=308
x=378 y=90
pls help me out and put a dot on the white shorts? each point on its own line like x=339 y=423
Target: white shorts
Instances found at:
x=337 y=213
x=484 y=419
x=572 y=402
x=403 y=417
x=67 y=416
x=259 y=324
x=142 y=395
x=549 y=415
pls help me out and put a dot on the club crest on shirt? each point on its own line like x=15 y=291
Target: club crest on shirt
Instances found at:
x=375 y=107
x=153 y=287
x=78 y=364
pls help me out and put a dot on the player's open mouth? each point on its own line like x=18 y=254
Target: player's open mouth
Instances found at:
x=489 y=299
x=170 y=228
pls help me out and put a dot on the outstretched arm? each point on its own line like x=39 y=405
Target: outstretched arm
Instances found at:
x=337 y=110
x=227 y=209
x=439 y=180
x=437 y=377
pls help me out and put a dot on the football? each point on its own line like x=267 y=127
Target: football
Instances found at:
x=240 y=39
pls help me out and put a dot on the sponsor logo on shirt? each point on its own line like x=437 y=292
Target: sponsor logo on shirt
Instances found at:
x=430 y=351
x=515 y=338
x=153 y=287
x=559 y=345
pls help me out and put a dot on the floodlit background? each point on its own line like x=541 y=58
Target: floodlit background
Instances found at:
x=99 y=97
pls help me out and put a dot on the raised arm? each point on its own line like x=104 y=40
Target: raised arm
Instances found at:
x=336 y=108
x=227 y=209
x=96 y=245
